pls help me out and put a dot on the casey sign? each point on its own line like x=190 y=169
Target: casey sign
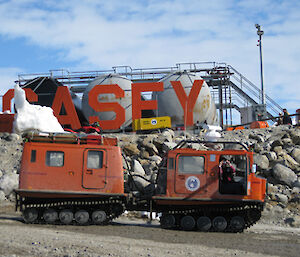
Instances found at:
x=63 y=98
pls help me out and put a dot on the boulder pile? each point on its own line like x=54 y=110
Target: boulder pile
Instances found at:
x=10 y=155
x=276 y=149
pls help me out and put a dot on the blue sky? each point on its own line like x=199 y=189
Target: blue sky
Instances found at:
x=37 y=36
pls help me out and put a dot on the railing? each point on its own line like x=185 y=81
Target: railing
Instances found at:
x=210 y=71
x=253 y=91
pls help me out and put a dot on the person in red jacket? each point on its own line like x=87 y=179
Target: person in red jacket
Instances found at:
x=227 y=171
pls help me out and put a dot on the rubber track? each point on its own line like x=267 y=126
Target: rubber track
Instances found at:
x=250 y=212
x=79 y=204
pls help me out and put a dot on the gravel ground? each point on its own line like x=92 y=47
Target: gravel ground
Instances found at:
x=134 y=237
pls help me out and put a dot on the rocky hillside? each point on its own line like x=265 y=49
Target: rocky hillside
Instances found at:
x=277 y=155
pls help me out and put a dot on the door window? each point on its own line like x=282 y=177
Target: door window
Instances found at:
x=191 y=164
x=95 y=159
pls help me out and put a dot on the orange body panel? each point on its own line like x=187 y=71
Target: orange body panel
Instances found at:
x=208 y=191
x=73 y=175
x=259 y=124
x=235 y=128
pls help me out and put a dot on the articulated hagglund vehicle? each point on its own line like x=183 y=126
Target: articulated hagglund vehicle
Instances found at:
x=73 y=179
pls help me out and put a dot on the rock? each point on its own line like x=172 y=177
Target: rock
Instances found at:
x=168 y=146
x=9 y=182
x=277 y=209
x=144 y=154
x=140 y=182
x=293 y=222
x=126 y=162
x=151 y=148
x=296 y=154
x=143 y=161
x=272 y=188
x=256 y=137
x=261 y=161
x=13 y=137
x=157 y=159
x=179 y=139
x=295 y=191
x=169 y=133
x=277 y=142
x=160 y=140
x=131 y=149
x=287 y=142
x=284 y=175
x=281 y=198
x=272 y=156
x=257 y=148
x=296 y=184
x=295 y=194
x=295 y=136
x=278 y=149
x=266 y=147
x=2 y=196
x=290 y=162
x=138 y=169
x=150 y=168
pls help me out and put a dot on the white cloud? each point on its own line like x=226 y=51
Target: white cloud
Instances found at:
x=7 y=78
x=102 y=34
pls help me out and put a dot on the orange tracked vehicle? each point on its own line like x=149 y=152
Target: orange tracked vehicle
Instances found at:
x=70 y=179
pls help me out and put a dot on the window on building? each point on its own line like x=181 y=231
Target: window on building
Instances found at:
x=191 y=164
x=95 y=159
x=55 y=159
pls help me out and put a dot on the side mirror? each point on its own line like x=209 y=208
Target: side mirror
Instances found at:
x=253 y=170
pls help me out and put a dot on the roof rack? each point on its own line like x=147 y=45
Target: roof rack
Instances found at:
x=183 y=142
x=70 y=138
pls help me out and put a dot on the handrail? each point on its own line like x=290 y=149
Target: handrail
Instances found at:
x=208 y=70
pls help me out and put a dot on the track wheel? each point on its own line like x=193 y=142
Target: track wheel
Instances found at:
x=30 y=215
x=66 y=216
x=82 y=217
x=237 y=223
x=50 y=215
x=188 y=222
x=203 y=223
x=99 y=217
x=219 y=223
x=167 y=221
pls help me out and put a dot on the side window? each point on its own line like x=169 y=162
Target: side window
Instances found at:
x=191 y=164
x=94 y=159
x=55 y=159
x=33 y=156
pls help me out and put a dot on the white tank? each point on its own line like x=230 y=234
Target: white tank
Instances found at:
x=125 y=102
x=169 y=105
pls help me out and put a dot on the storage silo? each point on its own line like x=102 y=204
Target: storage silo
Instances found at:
x=169 y=104
x=125 y=101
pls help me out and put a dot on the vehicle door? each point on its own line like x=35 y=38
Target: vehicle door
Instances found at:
x=190 y=175
x=94 y=169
